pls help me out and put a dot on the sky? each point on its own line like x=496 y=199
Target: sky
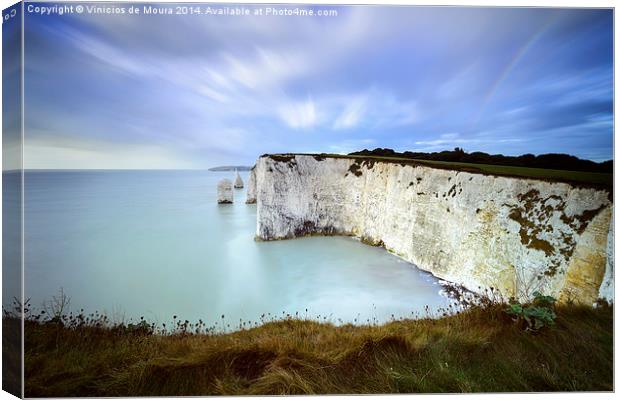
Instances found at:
x=196 y=91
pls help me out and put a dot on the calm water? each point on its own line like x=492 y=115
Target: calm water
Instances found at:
x=156 y=244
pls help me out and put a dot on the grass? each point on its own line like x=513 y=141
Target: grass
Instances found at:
x=537 y=173
x=596 y=179
x=478 y=350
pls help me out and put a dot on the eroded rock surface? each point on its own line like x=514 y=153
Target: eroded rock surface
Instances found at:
x=238 y=182
x=513 y=234
x=225 y=192
x=251 y=193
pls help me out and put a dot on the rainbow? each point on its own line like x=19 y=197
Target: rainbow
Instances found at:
x=516 y=58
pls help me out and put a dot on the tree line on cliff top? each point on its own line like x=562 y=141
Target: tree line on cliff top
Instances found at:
x=545 y=161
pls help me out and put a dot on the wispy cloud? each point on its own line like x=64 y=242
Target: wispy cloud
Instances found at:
x=352 y=113
x=376 y=109
x=298 y=114
x=448 y=141
x=185 y=92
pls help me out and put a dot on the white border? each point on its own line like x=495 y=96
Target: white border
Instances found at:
x=488 y=3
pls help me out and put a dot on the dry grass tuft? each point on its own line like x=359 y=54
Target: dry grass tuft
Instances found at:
x=478 y=350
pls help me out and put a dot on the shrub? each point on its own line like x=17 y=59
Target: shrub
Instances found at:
x=536 y=315
x=141 y=328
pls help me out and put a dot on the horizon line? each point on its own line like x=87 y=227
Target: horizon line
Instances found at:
x=115 y=169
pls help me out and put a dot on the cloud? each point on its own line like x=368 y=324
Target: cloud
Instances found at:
x=395 y=113
x=451 y=140
x=107 y=54
x=352 y=114
x=399 y=77
x=298 y=115
x=463 y=82
x=77 y=153
x=271 y=68
x=211 y=93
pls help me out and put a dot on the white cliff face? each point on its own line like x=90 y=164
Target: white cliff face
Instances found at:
x=224 y=192
x=516 y=235
x=251 y=193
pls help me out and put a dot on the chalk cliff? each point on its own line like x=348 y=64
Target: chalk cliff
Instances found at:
x=513 y=234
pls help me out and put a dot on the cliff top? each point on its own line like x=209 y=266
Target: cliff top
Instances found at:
x=559 y=161
x=600 y=180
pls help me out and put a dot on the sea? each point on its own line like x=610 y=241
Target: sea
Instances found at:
x=156 y=245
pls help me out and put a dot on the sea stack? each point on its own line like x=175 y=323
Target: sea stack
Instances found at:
x=251 y=194
x=238 y=181
x=224 y=192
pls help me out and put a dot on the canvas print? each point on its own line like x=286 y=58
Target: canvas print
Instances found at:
x=283 y=199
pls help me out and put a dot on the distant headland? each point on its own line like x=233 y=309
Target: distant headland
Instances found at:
x=231 y=168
